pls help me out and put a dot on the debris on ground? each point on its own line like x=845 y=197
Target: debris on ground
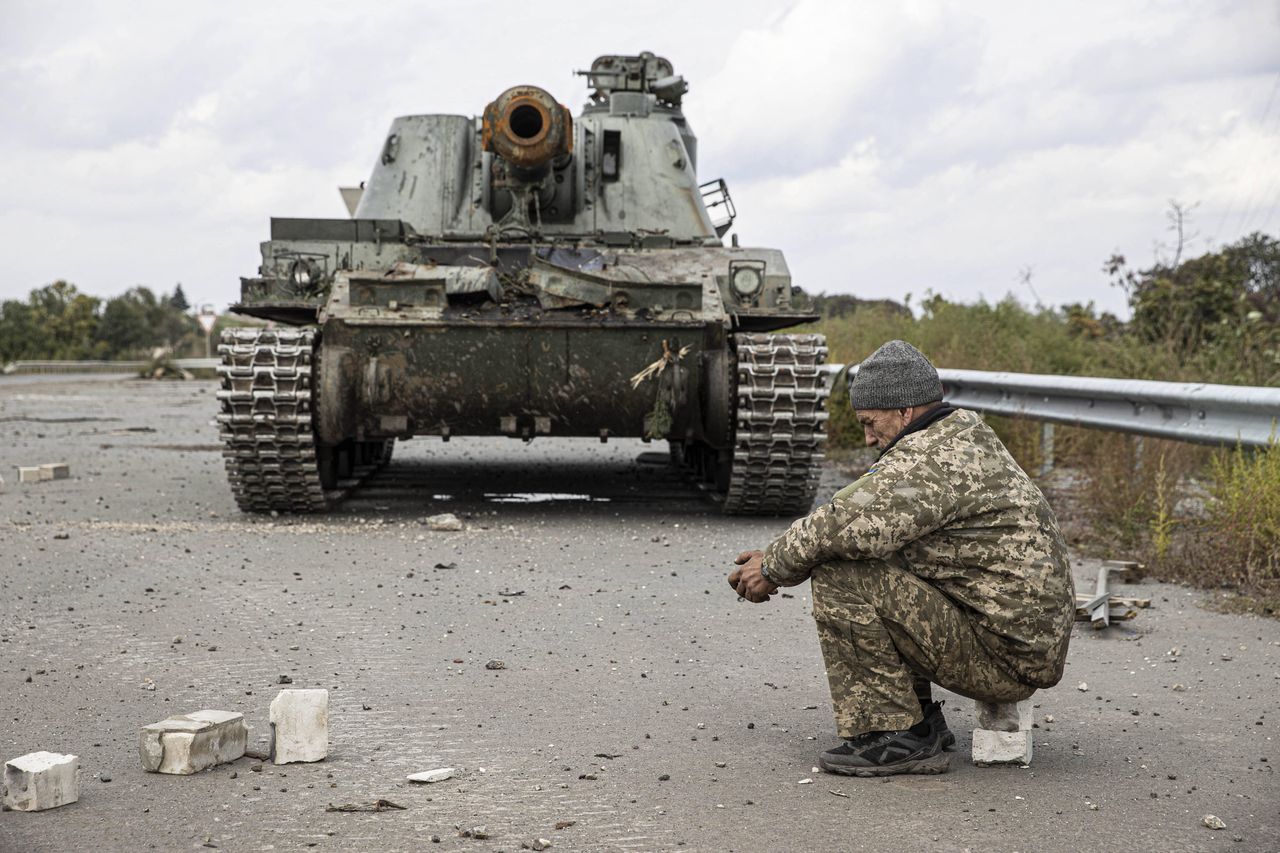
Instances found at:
x=41 y=780
x=299 y=726
x=375 y=806
x=188 y=743
x=1103 y=605
x=536 y=844
x=565 y=824
x=495 y=664
x=476 y=832
x=427 y=777
x=43 y=472
x=445 y=522
x=1213 y=821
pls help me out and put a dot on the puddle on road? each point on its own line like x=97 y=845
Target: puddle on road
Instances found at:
x=540 y=497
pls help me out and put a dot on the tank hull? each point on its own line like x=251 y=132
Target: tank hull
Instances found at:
x=567 y=378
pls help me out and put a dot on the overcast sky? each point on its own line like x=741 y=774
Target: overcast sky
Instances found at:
x=887 y=148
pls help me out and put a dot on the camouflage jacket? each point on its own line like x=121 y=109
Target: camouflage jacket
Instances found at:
x=949 y=504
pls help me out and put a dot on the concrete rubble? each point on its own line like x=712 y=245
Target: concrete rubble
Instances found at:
x=440 y=774
x=445 y=521
x=188 y=743
x=41 y=473
x=41 y=780
x=1003 y=735
x=55 y=471
x=299 y=726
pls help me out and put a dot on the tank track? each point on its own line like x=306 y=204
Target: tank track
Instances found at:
x=780 y=433
x=265 y=424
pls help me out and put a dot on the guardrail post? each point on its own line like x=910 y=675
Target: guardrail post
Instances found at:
x=1046 y=447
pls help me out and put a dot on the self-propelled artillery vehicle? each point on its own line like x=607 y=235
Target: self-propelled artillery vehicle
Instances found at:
x=526 y=273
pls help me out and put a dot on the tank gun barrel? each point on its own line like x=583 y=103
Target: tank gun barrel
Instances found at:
x=527 y=127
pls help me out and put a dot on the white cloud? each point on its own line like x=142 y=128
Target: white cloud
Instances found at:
x=886 y=148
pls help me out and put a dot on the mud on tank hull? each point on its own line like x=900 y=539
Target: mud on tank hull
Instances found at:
x=559 y=378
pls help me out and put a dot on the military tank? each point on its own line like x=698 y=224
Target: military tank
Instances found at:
x=526 y=273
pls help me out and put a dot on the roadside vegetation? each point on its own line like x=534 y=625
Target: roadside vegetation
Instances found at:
x=59 y=322
x=1189 y=513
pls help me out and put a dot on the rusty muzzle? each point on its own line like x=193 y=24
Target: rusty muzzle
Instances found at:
x=527 y=127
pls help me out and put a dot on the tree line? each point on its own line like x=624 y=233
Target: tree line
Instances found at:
x=59 y=322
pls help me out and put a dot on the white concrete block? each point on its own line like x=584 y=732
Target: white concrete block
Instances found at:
x=299 y=726
x=1006 y=716
x=31 y=474
x=1001 y=747
x=55 y=471
x=41 y=780
x=188 y=743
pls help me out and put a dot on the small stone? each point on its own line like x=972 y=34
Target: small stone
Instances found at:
x=805 y=782
x=188 y=743
x=444 y=522
x=284 y=679
x=1179 y=688
x=299 y=726
x=538 y=844
x=1082 y=686
x=1213 y=822
x=429 y=776
x=665 y=777
x=41 y=780
x=495 y=664
x=477 y=832
x=103 y=777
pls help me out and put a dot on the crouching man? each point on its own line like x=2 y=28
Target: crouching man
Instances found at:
x=942 y=565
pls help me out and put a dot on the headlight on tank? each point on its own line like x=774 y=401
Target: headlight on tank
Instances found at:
x=746 y=278
x=300 y=276
x=747 y=282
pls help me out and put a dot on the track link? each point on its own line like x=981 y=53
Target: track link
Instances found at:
x=265 y=424
x=780 y=433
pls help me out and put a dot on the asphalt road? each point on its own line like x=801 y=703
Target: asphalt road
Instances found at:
x=642 y=706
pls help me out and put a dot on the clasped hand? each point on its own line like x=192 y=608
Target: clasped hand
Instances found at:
x=748 y=581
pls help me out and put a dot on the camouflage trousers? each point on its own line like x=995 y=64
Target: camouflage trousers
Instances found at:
x=884 y=631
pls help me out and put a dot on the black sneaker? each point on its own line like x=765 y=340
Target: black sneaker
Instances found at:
x=888 y=754
x=933 y=716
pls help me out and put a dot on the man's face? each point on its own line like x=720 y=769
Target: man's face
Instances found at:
x=882 y=425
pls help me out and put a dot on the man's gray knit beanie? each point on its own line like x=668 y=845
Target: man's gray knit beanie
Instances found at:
x=896 y=376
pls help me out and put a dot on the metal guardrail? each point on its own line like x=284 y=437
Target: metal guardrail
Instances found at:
x=104 y=366
x=1185 y=411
